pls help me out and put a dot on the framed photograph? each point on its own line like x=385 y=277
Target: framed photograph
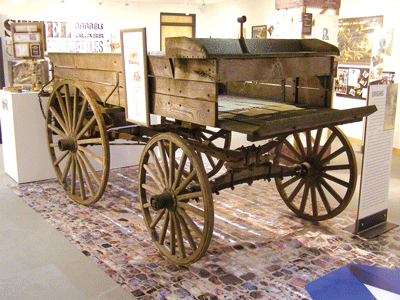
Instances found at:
x=134 y=53
x=28 y=40
x=259 y=32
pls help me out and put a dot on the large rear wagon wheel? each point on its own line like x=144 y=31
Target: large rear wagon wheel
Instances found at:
x=176 y=198
x=327 y=183
x=78 y=141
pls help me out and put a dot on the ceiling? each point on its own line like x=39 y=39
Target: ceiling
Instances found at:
x=183 y=2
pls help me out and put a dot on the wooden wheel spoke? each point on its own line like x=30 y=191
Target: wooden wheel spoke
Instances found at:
x=157 y=218
x=293 y=150
x=309 y=142
x=73 y=177
x=86 y=127
x=187 y=233
x=164 y=162
x=75 y=108
x=161 y=175
x=95 y=141
x=172 y=233
x=56 y=130
x=186 y=182
x=179 y=174
x=179 y=235
x=89 y=165
x=191 y=208
x=66 y=169
x=189 y=196
x=61 y=158
x=190 y=222
x=290 y=181
x=154 y=176
x=151 y=189
x=323 y=198
x=332 y=191
x=63 y=109
x=68 y=104
x=91 y=154
x=287 y=158
x=80 y=179
x=59 y=120
x=164 y=229
x=296 y=190
x=317 y=141
x=333 y=155
x=81 y=116
x=171 y=170
x=299 y=144
x=335 y=179
x=336 y=167
x=89 y=184
x=326 y=146
x=304 y=198
x=314 y=200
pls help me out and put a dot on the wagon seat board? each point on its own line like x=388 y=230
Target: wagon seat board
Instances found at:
x=280 y=86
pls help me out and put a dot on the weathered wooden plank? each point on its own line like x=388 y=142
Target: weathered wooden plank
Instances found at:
x=321 y=118
x=183 y=47
x=184 y=109
x=99 y=76
x=182 y=88
x=103 y=91
x=240 y=127
x=196 y=69
x=272 y=68
x=98 y=61
x=160 y=66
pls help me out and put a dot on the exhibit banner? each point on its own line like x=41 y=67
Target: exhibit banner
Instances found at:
x=134 y=53
x=377 y=158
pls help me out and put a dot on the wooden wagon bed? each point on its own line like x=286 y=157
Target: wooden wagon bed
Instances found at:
x=261 y=119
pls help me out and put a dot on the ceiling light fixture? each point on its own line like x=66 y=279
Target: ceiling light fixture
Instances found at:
x=126 y=3
x=100 y=2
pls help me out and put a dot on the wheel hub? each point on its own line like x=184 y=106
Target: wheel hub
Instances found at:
x=164 y=200
x=67 y=144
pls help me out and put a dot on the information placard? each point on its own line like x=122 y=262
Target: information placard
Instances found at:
x=134 y=54
x=375 y=179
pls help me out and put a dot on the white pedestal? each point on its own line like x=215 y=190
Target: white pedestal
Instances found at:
x=25 y=151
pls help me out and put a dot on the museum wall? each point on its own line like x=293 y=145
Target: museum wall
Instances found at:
x=217 y=21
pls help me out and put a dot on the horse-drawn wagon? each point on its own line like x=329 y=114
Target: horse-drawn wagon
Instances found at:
x=276 y=92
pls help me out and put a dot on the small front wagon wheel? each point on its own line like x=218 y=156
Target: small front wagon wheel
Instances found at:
x=326 y=185
x=77 y=141
x=176 y=198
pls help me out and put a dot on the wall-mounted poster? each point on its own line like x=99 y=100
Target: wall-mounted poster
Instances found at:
x=352 y=82
x=356 y=39
x=259 y=32
x=134 y=53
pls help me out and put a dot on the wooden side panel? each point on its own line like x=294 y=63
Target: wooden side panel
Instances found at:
x=100 y=76
x=117 y=97
x=160 y=66
x=181 y=88
x=196 y=69
x=99 y=61
x=272 y=68
x=183 y=47
x=184 y=109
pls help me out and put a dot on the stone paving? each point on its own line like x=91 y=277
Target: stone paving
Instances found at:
x=259 y=250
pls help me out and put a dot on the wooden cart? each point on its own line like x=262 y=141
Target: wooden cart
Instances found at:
x=278 y=93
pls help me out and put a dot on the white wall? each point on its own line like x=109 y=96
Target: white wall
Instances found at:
x=217 y=21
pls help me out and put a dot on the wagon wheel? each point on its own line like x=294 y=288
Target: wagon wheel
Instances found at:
x=327 y=183
x=211 y=138
x=77 y=141
x=178 y=209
